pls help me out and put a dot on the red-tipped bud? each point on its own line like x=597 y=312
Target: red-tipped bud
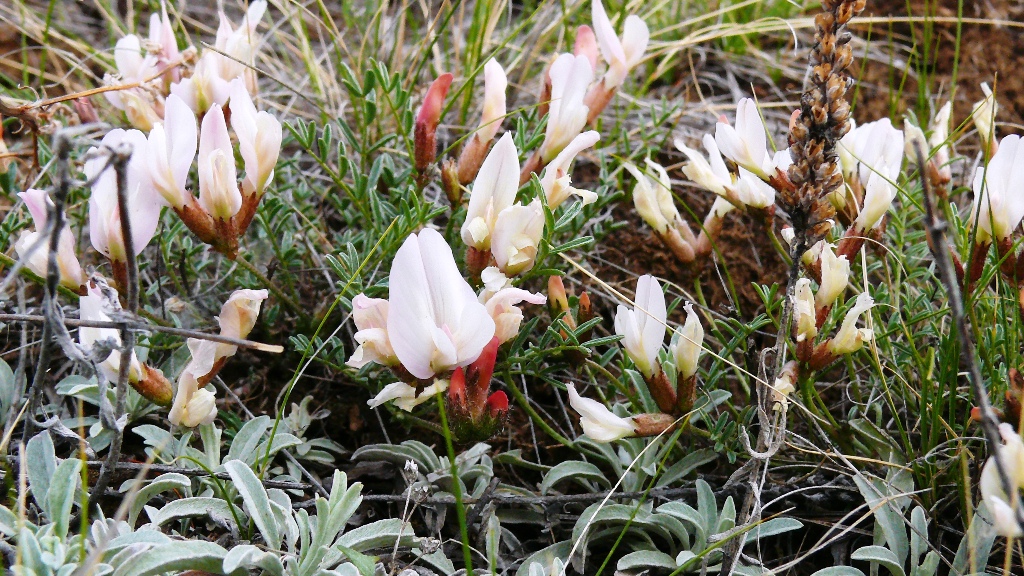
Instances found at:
x=426 y=122
x=480 y=372
x=586 y=45
x=457 y=388
x=556 y=295
x=497 y=404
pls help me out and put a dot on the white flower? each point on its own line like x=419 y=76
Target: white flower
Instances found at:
x=405 y=397
x=371 y=318
x=494 y=190
x=653 y=198
x=875 y=147
x=835 y=275
x=984 y=116
x=435 y=322
x=803 y=311
x=501 y=305
x=782 y=389
x=144 y=203
x=193 y=405
x=1000 y=504
x=517 y=234
x=752 y=191
x=878 y=196
x=998 y=200
x=259 y=138
x=239 y=46
x=218 y=178
x=71 y=275
x=205 y=89
x=711 y=174
x=643 y=328
x=567 y=115
x=688 y=346
x=621 y=55
x=747 y=143
x=133 y=66
x=597 y=420
x=172 y=148
x=556 y=182
x=495 y=86
x=91 y=307
x=850 y=338
x=782 y=160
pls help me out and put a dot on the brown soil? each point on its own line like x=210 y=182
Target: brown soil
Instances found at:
x=989 y=52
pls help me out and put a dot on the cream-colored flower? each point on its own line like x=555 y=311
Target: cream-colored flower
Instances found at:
x=804 y=312
x=835 y=275
x=689 y=345
x=849 y=339
x=598 y=421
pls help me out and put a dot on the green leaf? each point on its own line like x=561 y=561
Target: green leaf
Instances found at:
x=575 y=470
x=976 y=545
x=687 y=464
x=365 y=564
x=839 y=571
x=42 y=463
x=61 y=495
x=8 y=387
x=880 y=555
x=174 y=557
x=244 y=445
x=374 y=535
x=775 y=526
x=645 y=560
x=249 y=557
x=191 y=507
x=257 y=503
x=887 y=515
x=159 y=485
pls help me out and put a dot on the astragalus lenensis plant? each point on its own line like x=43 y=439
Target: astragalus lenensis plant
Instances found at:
x=432 y=205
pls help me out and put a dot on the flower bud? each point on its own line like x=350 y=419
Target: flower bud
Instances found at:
x=425 y=132
x=689 y=345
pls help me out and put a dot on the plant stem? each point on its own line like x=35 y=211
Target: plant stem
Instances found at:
x=284 y=298
x=525 y=404
x=460 y=508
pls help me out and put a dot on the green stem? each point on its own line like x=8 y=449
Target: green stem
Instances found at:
x=525 y=404
x=460 y=508
x=285 y=299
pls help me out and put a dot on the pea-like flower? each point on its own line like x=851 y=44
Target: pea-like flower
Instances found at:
x=849 y=339
x=172 y=148
x=144 y=203
x=804 y=312
x=643 y=327
x=689 y=344
x=984 y=116
x=835 y=275
x=598 y=421
x=746 y=144
x=556 y=182
x=71 y=275
x=999 y=202
x=259 y=139
x=502 y=306
x=494 y=190
x=872 y=148
x=435 y=322
x=620 y=54
x=570 y=77
x=218 y=178
x=371 y=318
x=405 y=396
x=1003 y=506
x=653 y=198
x=516 y=237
